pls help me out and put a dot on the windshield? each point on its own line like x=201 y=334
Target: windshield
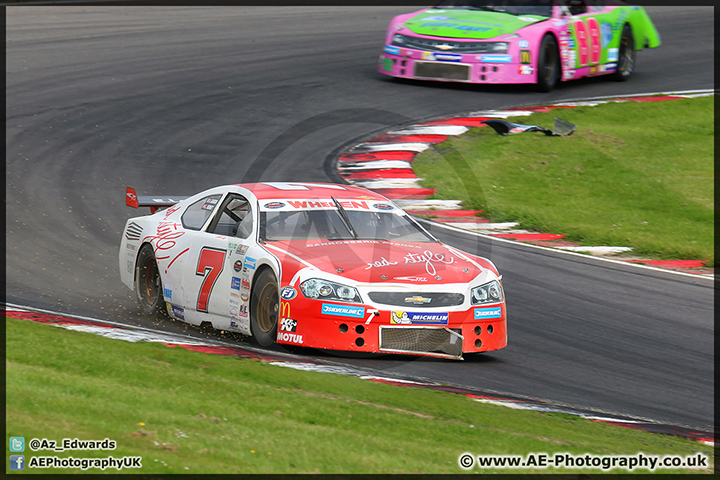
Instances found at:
x=328 y=225
x=513 y=7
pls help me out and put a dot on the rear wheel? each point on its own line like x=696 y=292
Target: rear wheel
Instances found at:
x=148 y=284
x=548 y=66
x=626 y=56
x=265 y=308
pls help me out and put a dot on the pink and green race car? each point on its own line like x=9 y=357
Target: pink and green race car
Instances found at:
x=537 y=42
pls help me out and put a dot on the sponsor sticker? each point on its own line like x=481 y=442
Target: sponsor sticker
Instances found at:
x=167 y=293
x=448 y=57
x=274 y=205
x=392 y=50
x=288 y=293
x=284 y=309
x=612 y=54
x=237 y=266
x=525 y=56
x=242 y=249
x=250 y=263
x=525 y=69
x=487 y=313
x=523 y=44
x=209 y=204
x=411 y=279
x=290 y=338
x=419 y=318
x=343 y=310
x=177 y=312
x=325 y=204
x=608 y=67
x=496 y=58
x=288 y=325
x=235 y=285
x=383 y=206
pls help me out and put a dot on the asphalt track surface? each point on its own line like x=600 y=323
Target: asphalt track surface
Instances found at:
x=173 y=100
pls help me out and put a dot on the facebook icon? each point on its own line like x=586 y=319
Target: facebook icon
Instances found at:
x=17 y=462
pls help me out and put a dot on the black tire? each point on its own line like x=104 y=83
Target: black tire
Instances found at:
x=148 y=284
x=548 y=66
x=264 y=308
x=626 y=56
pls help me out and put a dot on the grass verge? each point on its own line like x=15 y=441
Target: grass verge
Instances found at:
x=636 y=174
x=188 y=412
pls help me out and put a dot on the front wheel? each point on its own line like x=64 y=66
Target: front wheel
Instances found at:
x=548 y=66
x=265 y=308
x=148 y=284
x=626 y=56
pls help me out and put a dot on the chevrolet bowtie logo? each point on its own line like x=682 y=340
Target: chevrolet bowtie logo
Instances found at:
x=417 y=300
x=445 y=46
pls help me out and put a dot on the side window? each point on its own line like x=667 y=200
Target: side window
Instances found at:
x=577 y=7
x=197 y=213
x=234 y=218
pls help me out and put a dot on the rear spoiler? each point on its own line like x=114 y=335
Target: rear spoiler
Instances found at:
x=154 y=202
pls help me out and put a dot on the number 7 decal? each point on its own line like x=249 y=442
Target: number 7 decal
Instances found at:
x=210 y=264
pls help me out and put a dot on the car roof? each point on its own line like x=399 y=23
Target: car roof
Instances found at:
x=302 y=190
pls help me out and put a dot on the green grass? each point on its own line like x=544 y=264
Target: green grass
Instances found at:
x=189 y=412
x=636 y=174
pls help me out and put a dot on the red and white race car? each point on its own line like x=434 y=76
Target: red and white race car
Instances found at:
x=316 y=265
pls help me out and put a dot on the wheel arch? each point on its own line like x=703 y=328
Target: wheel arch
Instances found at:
x=262 y=336
x=137 y=259
x=538 y=53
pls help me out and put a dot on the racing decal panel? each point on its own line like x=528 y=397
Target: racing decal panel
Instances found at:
x=242 y=268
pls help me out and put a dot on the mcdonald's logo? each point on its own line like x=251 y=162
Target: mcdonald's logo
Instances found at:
x=525 y=56
x=285 y=310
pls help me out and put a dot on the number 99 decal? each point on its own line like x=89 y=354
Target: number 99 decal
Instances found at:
x=587 y=36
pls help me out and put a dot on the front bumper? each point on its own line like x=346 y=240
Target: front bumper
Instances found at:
x=468 y=68
x=362 y=328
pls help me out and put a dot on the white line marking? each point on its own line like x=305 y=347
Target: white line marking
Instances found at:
x=499 y=113
x=428 y=204
x=388 y=183
x=430 y=130
x=374 y=165
x=600 y=250
x=389 y=147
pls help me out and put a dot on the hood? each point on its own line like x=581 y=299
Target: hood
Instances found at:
x=472 y=24
x=377 y=261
